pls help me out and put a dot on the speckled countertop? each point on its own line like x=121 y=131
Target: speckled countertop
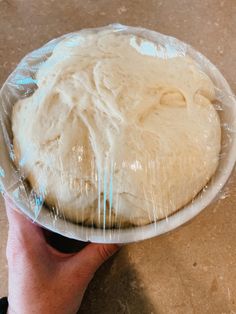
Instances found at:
x=192 y=269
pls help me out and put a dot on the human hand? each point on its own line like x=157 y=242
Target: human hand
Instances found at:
x=42 y=279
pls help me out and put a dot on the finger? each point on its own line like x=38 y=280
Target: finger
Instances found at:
x=20 y=226
x=88 y=260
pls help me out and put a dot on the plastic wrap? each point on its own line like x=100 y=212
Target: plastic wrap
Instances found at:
x=102 y=206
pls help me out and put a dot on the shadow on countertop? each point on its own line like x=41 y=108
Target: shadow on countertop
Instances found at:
x=116 y=289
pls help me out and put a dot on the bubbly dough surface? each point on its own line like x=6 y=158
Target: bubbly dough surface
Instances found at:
x=117 y=134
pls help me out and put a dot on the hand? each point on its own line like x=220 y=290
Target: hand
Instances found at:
x=41 y=279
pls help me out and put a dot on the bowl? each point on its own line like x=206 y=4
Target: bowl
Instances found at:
x=21 y=84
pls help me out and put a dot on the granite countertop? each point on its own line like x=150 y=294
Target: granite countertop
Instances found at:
x=192 y=269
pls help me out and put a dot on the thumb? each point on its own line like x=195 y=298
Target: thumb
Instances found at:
x=20 y=226
x=24 y=237
x=85 y=263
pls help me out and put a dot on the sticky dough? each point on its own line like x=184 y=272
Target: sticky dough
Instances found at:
x=117 y=134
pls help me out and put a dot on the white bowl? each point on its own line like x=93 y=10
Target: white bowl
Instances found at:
x=17 y=85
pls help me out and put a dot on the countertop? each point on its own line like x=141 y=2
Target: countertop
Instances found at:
x=191 y=269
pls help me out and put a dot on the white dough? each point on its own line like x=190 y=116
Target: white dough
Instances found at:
x=117 y=134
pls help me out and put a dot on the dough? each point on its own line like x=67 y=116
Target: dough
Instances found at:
x=116 y=133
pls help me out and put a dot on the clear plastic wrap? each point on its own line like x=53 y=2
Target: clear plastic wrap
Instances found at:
x=122 y=183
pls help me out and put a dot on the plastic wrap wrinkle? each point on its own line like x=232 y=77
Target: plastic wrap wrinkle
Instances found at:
x=118 y=189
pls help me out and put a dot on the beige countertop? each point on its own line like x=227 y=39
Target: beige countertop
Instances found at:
x=192 y=269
